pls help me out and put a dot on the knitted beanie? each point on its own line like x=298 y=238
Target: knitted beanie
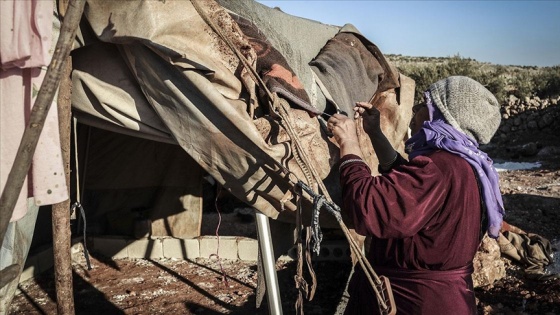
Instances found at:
x=467 y=106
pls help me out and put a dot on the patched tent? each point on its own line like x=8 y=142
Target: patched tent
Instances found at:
x=159 y=71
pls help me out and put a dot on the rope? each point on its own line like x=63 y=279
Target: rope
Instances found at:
x=83 y=215
x=309 y=172
x=78 y=203
x=332 y=208
x=319 y=201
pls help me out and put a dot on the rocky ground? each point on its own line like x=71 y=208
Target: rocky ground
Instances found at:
x=532 y=201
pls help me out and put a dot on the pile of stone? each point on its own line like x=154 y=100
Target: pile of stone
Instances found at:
x=530 y=128
x=530 y=115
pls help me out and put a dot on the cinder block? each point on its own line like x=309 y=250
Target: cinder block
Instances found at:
x=114 y=247
x=330 y=251
x=145 y=248
x=181 y=248
x=227 y=247
x=334 y=251
x=77 y=252
x=248 y=249
x=30 y=270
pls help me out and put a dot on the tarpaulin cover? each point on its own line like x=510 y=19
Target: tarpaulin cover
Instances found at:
x=162 y=73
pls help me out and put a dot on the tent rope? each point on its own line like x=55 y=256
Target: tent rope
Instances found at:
x=386 y=304
x=381 y=288
x=78 y=204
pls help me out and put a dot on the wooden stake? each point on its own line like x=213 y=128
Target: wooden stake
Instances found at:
x=62 y=234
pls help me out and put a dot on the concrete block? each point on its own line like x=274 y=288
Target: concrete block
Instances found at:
x=181 y=248
x=248 y=249
x=114 y=247
x=145 y=248
x=227 y=247
x=30 y=270
x=77 y=251
x=334 y=251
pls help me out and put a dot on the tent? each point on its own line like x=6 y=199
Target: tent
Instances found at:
x=174 y=90
x=186 y=87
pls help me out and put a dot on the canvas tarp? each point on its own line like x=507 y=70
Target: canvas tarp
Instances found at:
x=182 y=84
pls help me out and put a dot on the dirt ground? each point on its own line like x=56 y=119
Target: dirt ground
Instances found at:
x=532 y=201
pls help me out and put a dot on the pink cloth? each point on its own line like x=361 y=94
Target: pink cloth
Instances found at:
x=25 y=33
x=25 y=43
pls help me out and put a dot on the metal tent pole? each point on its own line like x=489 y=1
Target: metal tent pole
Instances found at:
x=267 y=252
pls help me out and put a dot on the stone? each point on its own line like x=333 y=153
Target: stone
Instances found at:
x=529 y=149
x=549 y=151
x=513 y=99
x=488 y=267
x=546 y=120
x=532 y=125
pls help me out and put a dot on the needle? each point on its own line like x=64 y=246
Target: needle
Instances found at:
x=340 y=112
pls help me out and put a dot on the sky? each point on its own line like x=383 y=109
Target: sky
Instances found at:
x=524 y=33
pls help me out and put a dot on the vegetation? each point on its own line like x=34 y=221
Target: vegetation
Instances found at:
x=520 y=81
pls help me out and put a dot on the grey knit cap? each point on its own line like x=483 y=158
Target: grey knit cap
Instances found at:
x=468 y=106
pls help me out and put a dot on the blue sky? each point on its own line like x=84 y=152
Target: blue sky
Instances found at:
x=500 y=32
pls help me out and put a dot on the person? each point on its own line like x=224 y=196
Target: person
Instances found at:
x=424 y=215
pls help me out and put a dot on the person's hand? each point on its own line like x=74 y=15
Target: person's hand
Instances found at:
x=343 y=129
x=372 y=125
x=370 y=115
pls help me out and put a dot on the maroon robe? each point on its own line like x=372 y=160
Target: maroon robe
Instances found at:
x=424 y=217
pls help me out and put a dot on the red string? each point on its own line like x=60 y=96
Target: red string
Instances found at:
x=224 y=276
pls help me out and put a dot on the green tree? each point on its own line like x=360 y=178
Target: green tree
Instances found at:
x=547 y=82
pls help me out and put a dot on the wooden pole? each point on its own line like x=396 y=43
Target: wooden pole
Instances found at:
x=8 y=274
x=62 y=235
x=39 y=112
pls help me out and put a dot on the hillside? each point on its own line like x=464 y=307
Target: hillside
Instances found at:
x=520 y=81
x=400 y=59
x=529 y=98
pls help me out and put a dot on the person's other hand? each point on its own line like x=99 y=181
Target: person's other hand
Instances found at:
x=343 y=129
x=371 y=117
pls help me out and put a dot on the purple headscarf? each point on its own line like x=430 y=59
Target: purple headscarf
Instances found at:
x=438 y=134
